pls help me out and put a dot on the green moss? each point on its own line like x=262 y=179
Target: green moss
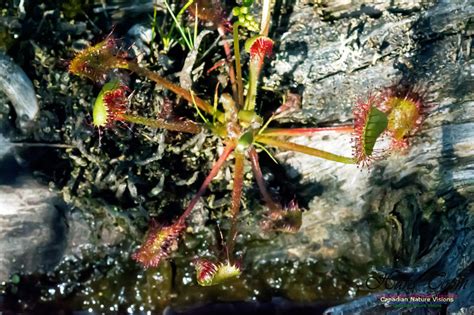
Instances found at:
x=72 y=8
x=6 y=39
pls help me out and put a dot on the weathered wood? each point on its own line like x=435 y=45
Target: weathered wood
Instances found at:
x=410 y=213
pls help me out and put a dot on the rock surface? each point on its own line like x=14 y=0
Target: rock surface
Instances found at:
x=37 y=228
x=19 y=89
x=33 y=226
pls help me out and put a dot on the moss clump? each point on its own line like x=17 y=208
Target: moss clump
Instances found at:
x=6 y=39
x=72 y=8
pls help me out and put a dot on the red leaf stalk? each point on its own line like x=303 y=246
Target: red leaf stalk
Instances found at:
x=273 y=206
x=236 y=196
x=215 y=169
x=292 y=132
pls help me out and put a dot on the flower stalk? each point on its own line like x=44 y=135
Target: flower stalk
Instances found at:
x=238 y=66
x=266 y=14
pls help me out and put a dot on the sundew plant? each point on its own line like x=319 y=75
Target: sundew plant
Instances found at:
x=392 y=114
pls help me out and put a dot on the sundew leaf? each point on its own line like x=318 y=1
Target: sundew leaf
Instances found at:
x=403 y=118
x=375 y=125
x=100 y=111
x=209 y=273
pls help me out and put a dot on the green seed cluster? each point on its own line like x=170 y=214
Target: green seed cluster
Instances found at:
x=245 y=18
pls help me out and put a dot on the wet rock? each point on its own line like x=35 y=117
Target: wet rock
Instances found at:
x=120 y=9
x=33 y=226
x=18 y=88
x=37 y=228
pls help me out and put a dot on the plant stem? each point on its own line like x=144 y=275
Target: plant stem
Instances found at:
x=255 y=66
x=304 y=149
x=257 y=172
x=203 y=105
x=266 y=13
x=238 y=66
x=290 y=132
x=236 y=196
x=214 y=170
x=183 y=126
x=228 y=54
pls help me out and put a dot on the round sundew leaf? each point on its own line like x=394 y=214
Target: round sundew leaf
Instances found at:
x=226 y=271
x=376 y=124
x=209 y=273
x=403 y=118
x=205 y=271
